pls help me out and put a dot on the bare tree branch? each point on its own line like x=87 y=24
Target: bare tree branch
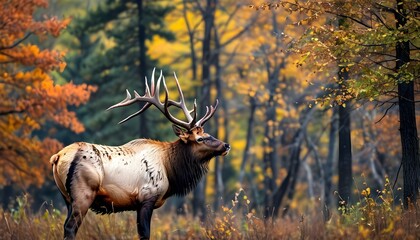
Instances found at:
x=16 y=43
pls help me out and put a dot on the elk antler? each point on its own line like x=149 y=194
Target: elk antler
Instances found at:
x=151 y=97
x=209 y=113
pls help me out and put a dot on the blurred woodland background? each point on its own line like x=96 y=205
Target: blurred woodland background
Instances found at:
x=318 y=99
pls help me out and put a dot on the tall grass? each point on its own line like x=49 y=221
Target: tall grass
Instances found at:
x=374 y=216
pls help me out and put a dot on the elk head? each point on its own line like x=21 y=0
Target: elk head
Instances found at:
x=202 y=144
x=191 y=131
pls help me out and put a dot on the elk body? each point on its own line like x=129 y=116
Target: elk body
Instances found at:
x=139 y=175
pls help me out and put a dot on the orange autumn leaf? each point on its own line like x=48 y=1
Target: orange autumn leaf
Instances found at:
x=29 y=96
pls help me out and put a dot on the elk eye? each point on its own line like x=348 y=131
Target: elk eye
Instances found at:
x=200 y=140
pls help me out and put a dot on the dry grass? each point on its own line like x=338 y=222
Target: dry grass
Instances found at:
x=370 y=218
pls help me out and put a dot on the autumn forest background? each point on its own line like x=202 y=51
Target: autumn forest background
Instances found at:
x=318 y=99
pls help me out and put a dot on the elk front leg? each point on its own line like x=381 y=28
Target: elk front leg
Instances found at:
x=144 y=217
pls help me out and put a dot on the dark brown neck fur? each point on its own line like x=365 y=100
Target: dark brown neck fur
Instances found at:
x=184 y=168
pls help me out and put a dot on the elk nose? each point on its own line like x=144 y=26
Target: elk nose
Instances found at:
x=227 y=146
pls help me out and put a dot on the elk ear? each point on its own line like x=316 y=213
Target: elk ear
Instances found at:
x=181 y=133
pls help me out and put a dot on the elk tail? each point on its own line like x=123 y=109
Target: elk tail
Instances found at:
x=54 y=161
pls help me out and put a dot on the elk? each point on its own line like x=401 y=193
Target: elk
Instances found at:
x=141 y=174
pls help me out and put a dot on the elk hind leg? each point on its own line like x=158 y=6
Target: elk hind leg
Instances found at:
x=77 y=210
x=83 y=190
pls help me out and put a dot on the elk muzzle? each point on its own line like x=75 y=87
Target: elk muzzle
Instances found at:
x=226 y=149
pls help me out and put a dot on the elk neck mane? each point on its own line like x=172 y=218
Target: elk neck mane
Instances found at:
x=184 y=168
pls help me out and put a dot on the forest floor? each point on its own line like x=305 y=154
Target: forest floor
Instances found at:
x=367 y=219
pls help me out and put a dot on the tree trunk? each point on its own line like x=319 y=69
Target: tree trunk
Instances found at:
x=218 y=169
x=249 y=136
x=345 y=180
x=270 y=141
x=328 y=167
x=144 y=132
x=408 y=129
x=206 y=51
x=310 y=179
x=198 y=201
x=199 y=193
x=292 y=172
x=269 y=145
x=227 y=167
x=191 y=33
